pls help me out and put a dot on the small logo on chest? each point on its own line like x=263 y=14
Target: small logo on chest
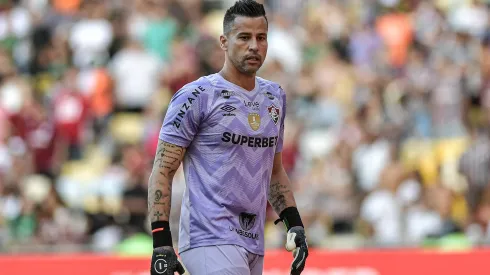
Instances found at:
x=254 y=105
x=270 y=96
x=254 y=121
x=227 y=94
x=228 y=110
x=274 y=113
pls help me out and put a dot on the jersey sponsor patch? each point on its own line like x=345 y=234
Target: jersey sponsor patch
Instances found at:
x=254 y=105
x=274 y=113
x=247 y=220
x=270 y=96
x=246 y=234
x=186 y=105
x=227 y=94
x=261 y=142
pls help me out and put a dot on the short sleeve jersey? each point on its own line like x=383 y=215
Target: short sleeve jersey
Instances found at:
x=231 y=136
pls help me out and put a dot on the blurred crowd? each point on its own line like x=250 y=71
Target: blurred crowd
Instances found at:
x=387 y=133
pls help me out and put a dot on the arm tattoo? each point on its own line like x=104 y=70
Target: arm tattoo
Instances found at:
x=167 y=161
x=167 y=157
x=277 y=196
x=158 y=215
x=158 y=195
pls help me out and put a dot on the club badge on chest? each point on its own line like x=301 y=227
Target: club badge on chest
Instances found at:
x=274 y=113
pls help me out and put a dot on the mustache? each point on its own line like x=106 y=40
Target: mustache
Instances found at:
x=253 y=56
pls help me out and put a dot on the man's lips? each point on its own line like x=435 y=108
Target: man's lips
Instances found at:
x=253 y=58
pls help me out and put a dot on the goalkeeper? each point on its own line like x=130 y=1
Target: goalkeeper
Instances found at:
x=227 y=129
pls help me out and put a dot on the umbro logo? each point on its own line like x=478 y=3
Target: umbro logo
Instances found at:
x=228 y=109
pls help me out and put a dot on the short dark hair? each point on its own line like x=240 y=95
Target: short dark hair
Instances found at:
x=247 y=8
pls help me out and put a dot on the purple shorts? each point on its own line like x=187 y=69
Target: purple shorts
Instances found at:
x=221 y=260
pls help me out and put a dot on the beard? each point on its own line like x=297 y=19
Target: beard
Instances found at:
x=242 y=66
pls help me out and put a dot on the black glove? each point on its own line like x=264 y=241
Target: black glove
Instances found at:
x=164 y=261
x=296 y=238
x=296 y=242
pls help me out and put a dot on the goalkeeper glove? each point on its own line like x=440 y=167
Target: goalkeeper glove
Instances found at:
x=296 y=242
x=164 y=261
x=295 y=239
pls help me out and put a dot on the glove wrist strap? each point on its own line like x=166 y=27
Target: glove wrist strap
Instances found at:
x=290 y=217
x=162 y=236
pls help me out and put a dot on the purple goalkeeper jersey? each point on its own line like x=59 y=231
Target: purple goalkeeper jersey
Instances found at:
x=231 y=136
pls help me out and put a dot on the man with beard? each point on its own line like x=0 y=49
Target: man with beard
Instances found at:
x=228 y=129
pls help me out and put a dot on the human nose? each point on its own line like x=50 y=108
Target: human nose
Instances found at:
x=253 y=45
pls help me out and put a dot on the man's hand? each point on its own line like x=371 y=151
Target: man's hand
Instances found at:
x=164 y=262
x=296 y=242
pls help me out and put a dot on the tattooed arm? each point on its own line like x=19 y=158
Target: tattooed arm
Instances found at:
x=280 y=193
x=167 y=161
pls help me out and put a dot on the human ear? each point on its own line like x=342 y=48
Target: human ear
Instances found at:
x=223 y=42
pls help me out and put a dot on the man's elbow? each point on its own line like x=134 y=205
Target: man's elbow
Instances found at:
x=277 y=167
x=278 y=171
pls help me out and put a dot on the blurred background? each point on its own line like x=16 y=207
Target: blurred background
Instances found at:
x=387 y=133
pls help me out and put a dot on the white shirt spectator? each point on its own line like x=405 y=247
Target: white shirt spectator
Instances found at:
x=469 y=19
x=136 y=75
x=421 y=223
x=38 y=7
x=5 y=159
x=137 y=25
x=10 y=206
x=369 y=161
x=389 y=3
x=284 y=48
x=90 y=40
x=409 y=192
x=383 y=211
x=17 y=23
x=11 y=98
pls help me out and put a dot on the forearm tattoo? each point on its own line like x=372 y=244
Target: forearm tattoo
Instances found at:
x=167 y=161
x=168 y=158
x=279 y=196
x=157 y=215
